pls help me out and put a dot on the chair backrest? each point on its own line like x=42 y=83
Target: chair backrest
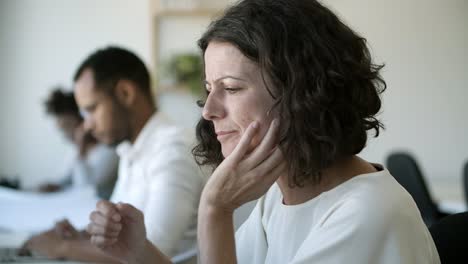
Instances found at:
x=451 y=238
x=465 y=182
x=406 y=171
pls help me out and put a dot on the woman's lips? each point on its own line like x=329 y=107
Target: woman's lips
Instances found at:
x=224 y=134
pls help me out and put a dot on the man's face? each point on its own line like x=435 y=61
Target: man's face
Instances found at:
x=103 y=116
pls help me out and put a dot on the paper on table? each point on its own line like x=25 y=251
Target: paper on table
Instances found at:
x=36 y=212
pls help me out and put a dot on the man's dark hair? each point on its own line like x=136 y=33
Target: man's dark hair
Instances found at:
x=111 y=64
x=62 y=102
x=325 y=85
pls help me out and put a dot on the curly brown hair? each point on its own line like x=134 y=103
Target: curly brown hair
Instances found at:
x=325 y=85
x=62 y=102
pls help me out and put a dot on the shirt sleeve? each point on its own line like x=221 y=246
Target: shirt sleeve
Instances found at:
x=174 y=193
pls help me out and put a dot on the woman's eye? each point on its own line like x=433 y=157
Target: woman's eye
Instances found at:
x=232 y=90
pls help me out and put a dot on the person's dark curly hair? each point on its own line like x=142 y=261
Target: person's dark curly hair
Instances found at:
x=325 y=85
x=62 y=102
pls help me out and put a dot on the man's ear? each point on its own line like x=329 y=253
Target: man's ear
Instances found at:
x=125 y=92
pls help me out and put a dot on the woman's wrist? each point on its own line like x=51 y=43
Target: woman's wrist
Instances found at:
x=211 y=205
x=214 y=211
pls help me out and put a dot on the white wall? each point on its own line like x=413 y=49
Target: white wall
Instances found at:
x=41 y=45
x=424 y=44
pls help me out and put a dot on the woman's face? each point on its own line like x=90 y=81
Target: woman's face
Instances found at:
x=237 y=95
x=68 y=123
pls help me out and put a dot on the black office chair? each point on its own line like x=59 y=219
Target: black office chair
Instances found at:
x=465 y=182
x=451 y=238
x=406 y=171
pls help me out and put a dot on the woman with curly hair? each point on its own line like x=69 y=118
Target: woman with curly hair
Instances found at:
x=292 y=93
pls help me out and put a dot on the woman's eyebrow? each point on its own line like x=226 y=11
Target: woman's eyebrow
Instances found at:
x=227 y=77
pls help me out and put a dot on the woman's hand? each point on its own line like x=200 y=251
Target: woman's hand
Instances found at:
x=118 y=230
x=242 y=176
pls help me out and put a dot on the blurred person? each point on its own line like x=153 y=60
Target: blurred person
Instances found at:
x=89 y=172
x=292 y=93
x=156 y=171
x=92 y=163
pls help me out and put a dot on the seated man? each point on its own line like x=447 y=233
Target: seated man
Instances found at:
x=156 y=171
x=93 y=163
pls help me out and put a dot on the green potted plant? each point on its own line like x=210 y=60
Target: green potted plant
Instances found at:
x=186 y=69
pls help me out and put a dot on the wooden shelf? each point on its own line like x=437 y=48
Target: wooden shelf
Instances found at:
x=165 y=17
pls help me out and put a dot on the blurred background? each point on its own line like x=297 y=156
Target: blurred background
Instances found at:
x=424 y=44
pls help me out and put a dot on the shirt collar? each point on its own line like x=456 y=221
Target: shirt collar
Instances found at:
x=128 y=149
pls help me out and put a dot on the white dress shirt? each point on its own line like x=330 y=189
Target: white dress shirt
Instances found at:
x=158 y=175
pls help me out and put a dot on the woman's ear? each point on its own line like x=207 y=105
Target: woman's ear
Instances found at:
x=125 y=92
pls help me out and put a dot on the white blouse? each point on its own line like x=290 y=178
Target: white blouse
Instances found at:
x=367 y=219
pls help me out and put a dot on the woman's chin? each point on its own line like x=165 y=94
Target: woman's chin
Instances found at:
x=228 y=148
x=226 y=153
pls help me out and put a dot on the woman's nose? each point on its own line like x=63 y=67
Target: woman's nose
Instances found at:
x=214 y=108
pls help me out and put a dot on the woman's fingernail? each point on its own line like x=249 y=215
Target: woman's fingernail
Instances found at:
x=255 y=124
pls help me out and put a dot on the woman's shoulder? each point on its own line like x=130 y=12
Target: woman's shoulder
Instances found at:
x=369 y=191
x=373 y=199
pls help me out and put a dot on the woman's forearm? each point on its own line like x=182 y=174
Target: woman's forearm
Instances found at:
x=216 y=236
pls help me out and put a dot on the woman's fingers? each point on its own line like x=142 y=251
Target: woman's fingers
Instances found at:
x=257 y=182
x=265 y=148
x=243 y=146
x=271 y=168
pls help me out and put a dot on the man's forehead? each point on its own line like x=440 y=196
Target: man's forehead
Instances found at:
x=85 y=82
x=85 y=89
